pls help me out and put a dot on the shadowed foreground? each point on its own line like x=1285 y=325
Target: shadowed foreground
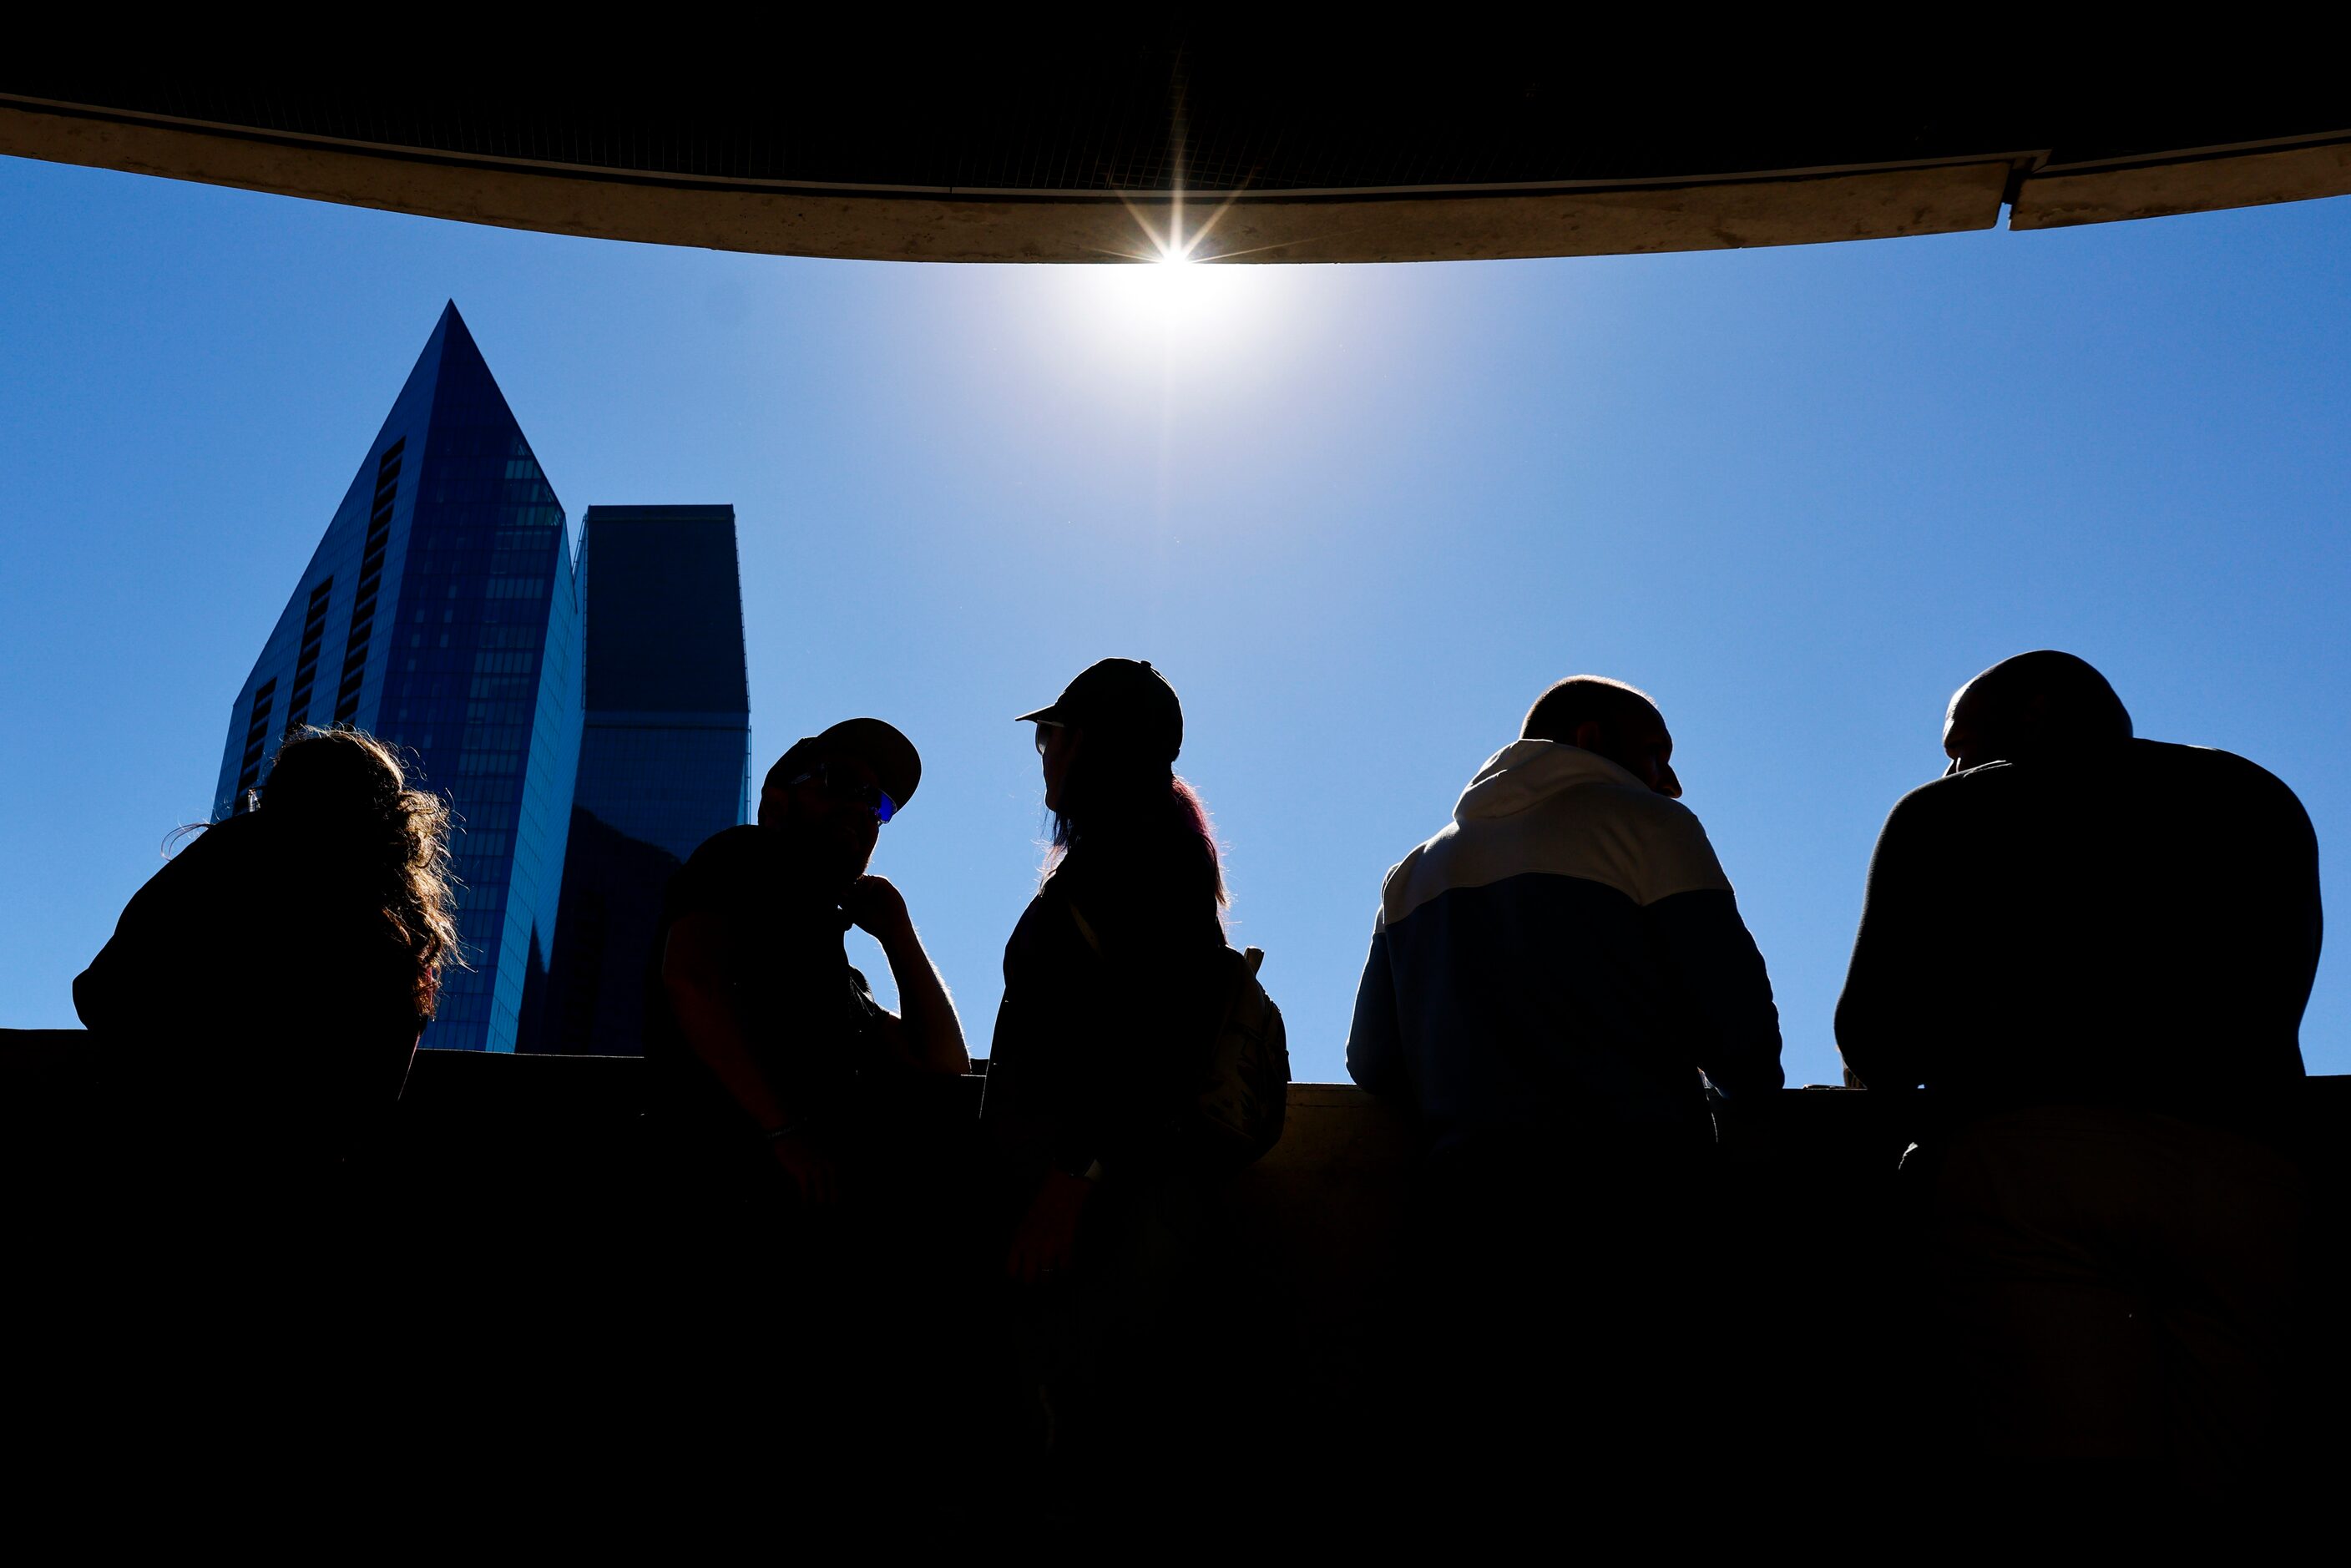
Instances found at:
x=504 y=1212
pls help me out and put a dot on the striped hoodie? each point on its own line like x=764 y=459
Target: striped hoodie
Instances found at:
x=1565 y=958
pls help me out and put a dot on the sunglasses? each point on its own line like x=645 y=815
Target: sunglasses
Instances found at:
x=851 y=791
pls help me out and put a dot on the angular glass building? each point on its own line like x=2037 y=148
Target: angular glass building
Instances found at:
x=665 y=754
x=441 y=613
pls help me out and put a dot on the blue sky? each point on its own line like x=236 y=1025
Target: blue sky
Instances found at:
x=1360 y=516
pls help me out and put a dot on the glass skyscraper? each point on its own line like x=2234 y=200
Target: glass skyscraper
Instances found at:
x=665 y=755
x=665 y=747
x=441 y=613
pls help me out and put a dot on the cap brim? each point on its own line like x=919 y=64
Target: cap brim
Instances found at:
x=897 y=765
x=1050 y=713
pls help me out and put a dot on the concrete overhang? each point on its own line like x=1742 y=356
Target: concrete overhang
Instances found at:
x=1241 y=163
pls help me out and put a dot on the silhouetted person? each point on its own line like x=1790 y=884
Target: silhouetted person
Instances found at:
x=262 y=996
x=1113 y=984
x=786 y=1101
x=252 y=1022
x=2094 y=951
x=1552 y=979
x=773 y=1054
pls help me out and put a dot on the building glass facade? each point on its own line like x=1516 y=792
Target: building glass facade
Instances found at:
x=665 y=755
x=441 y=613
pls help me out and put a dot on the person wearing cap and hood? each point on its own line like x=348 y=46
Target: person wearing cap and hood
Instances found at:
x=2093 y=950
x=770 y=1051
x=1112 y=987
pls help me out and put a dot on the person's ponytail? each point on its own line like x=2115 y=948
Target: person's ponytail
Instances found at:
x=1132 y=805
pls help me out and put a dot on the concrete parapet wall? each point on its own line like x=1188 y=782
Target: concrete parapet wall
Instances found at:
x=507 y=1195
x=540 y=1154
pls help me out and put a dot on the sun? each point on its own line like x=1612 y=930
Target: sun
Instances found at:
x=1177 y=286
x=1177 y=292
x=1174 y=290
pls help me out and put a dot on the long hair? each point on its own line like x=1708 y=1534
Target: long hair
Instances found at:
x=347 y=789
x=1120 y=799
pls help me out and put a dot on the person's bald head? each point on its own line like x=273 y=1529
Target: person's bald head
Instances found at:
x=1612 y=719
x=2043 y=704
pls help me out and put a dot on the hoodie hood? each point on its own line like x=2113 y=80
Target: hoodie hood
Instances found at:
x=1527 y=773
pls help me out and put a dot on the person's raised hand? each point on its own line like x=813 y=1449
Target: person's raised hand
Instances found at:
x=876 y=906
x=813 y=1173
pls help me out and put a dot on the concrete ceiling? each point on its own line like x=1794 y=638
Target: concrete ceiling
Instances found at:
x=1103 y=155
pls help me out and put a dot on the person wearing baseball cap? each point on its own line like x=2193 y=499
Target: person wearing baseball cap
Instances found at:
x=1123 y=702
x=1111 y=979
x=767 y=1044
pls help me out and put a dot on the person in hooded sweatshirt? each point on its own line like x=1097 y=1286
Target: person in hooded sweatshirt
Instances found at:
x=1554 y=980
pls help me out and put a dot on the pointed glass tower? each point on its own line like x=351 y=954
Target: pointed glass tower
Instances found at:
x=441 y=613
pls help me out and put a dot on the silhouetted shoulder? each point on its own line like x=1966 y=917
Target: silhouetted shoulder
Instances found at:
x=727 y=868
x=235 y=842
x=2181 y=805
x=2001 y=787
x=1618 y=835
x=726 y=848
x=2217 y=780
x=2218 y=771
x=1953 y=789
x=186 y=943
x=1675 y=855
x=1393 y=886
x=212 y=880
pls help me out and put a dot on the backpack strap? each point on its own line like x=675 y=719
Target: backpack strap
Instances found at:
x=1085 y=926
